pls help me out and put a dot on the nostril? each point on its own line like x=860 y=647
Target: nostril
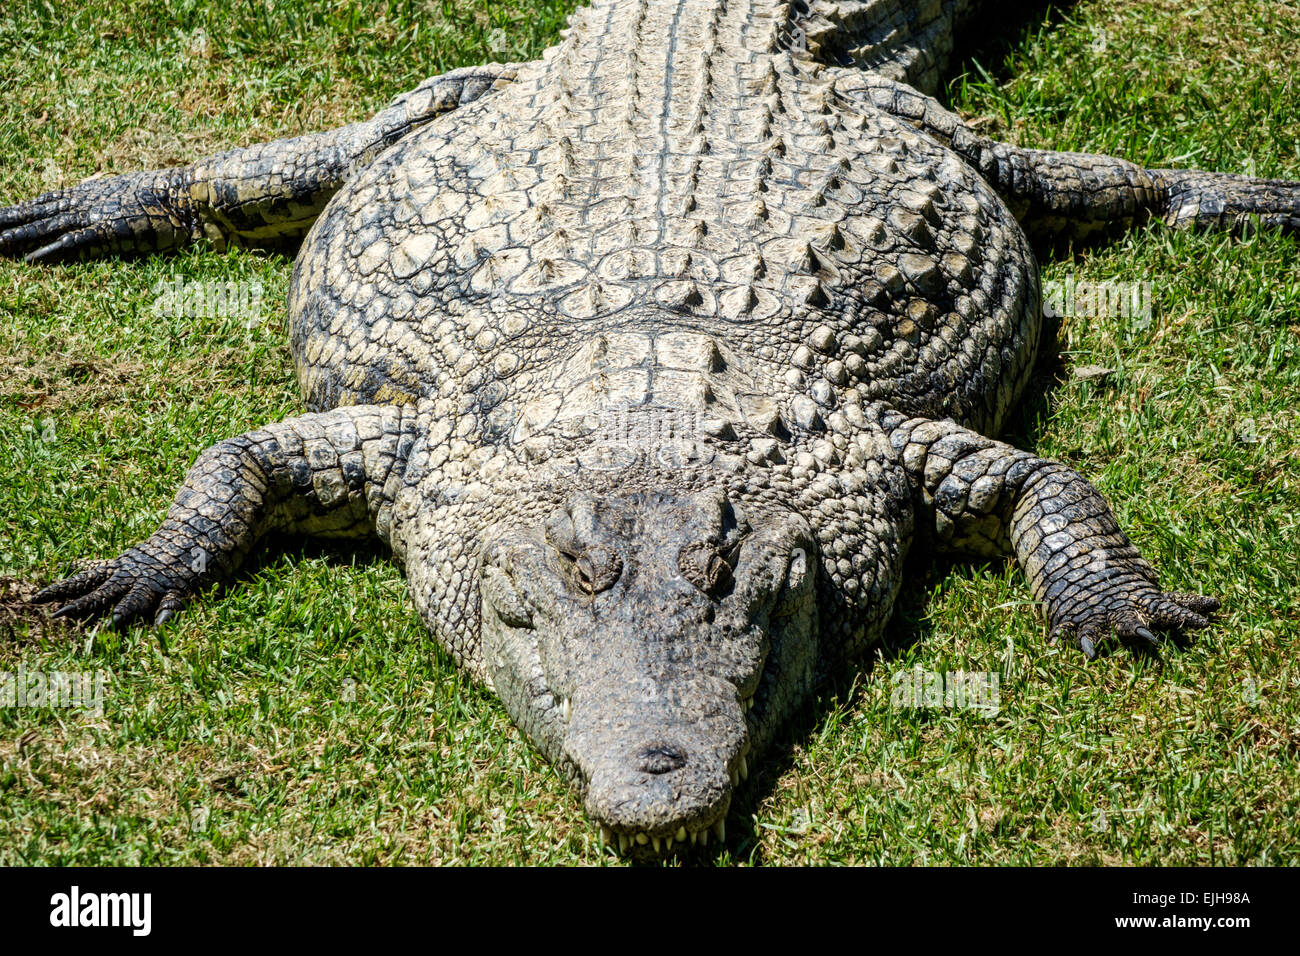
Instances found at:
x=660 y=758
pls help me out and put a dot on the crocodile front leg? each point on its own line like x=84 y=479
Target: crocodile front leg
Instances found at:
x=265 y=195
x=990 y=499
x=332 y=474
x=1061 y=196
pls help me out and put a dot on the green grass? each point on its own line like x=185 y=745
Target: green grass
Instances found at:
x=238 y=742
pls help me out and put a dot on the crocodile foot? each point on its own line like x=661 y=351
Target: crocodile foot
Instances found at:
x=149 y=581
x=1127 y=607
x=136 y=213
x=1226 y=201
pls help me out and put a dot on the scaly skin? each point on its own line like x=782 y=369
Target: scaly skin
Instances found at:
x=651 y=360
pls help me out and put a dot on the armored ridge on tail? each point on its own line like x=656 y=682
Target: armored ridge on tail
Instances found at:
x=650 y=360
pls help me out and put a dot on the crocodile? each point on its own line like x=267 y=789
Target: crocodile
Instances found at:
x=651 y=360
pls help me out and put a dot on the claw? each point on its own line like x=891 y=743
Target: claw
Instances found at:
x=139 y=584
x=171 y=602
x=1145 y=634
x=1089 y=649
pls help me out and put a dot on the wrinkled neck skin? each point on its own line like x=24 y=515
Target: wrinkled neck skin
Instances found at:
x=648 y=604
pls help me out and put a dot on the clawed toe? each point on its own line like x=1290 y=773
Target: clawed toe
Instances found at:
x=96 y=602
x=83 y=582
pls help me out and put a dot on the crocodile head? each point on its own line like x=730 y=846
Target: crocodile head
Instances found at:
x=649 y=642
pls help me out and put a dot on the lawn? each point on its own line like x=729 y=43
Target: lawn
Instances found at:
x=307 y=717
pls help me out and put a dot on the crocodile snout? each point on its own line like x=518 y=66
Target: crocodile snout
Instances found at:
x=671 y=789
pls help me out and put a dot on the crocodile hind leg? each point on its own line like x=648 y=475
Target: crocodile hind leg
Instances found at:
x=989 y=499
x=331 y=474
x=266 y=195
x=1061 y=197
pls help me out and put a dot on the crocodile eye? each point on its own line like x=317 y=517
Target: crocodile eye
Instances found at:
x=704 y=566
x=596 y=569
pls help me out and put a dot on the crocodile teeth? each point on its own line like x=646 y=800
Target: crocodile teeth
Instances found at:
x=744 y=769
x=664 y=844
x=566 y=709
x=735 y=778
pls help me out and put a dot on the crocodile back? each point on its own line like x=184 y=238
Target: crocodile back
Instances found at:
x=672 y=208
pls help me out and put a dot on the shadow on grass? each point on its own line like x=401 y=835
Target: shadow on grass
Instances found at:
x=982 y=47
